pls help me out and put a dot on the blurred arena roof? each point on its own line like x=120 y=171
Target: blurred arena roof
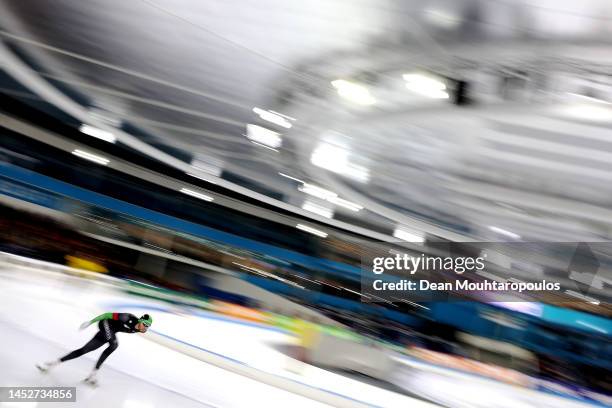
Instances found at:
x=464 y=120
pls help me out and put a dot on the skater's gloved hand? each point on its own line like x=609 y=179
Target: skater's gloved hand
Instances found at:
x=84 y=325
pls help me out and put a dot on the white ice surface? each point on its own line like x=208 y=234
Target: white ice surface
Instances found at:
x=40 y=313
x=39 y=320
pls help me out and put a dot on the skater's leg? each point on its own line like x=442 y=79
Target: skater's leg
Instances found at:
x=96 y=342
x=93 y=344
x=112 y=346
x=92 y=379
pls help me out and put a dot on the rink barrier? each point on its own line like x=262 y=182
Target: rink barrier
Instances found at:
x=293 y=386
x=121 y=284
x=410 y=361
x=43 y=266
x=240 y=313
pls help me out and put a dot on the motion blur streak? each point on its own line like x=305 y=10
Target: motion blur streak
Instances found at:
x=248 y=173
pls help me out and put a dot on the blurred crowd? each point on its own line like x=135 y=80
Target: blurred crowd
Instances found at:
x=79 y=241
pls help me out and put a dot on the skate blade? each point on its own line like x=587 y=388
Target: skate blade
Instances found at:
x=93 y=384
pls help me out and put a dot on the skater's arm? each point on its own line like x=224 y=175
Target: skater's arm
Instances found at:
x=103 y=316
x=122 y=317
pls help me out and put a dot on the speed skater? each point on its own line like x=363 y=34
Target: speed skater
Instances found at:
x=109 y=324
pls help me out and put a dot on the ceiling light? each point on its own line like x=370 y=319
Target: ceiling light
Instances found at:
x=273 y=117
x=597 y=112
x=263 y=145
x=353 y=92
x=283 y=115
x=505 y=232
x=345 y=203
x=98 y=133
x=316 y=191
x=313 y=231
x=196 y=194
x=442 y=18
x=261 y=135
x=317 y=209
x=426 y=86
x=336 y=159
x=91 y=157
x=291 y=177
x=407 y=236
x=208 y=164
x=324 y=194
x=589 y=98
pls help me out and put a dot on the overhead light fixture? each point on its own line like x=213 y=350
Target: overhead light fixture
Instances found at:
x=408 y=236
x=589 y=98
x=316 y=191
x=98 y=133
x=324 y=194
x=596 y=112
x=426 y=86
x=353 y=92
x=507 y=233
x=262 y=136
x=91 y=157
x=317 y=209
x=345 y=203
x=442 y=18
x=263 y=145
x=336 y=159
x=196 y=194
x=207 y=164
x=273 y=117
x=311 y=230
x=291 y=177
x=282 y=114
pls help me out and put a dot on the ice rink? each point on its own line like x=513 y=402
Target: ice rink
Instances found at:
x=191 y=357
x=39 y=318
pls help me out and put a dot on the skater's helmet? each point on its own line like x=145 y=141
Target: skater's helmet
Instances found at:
x=146 y=320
